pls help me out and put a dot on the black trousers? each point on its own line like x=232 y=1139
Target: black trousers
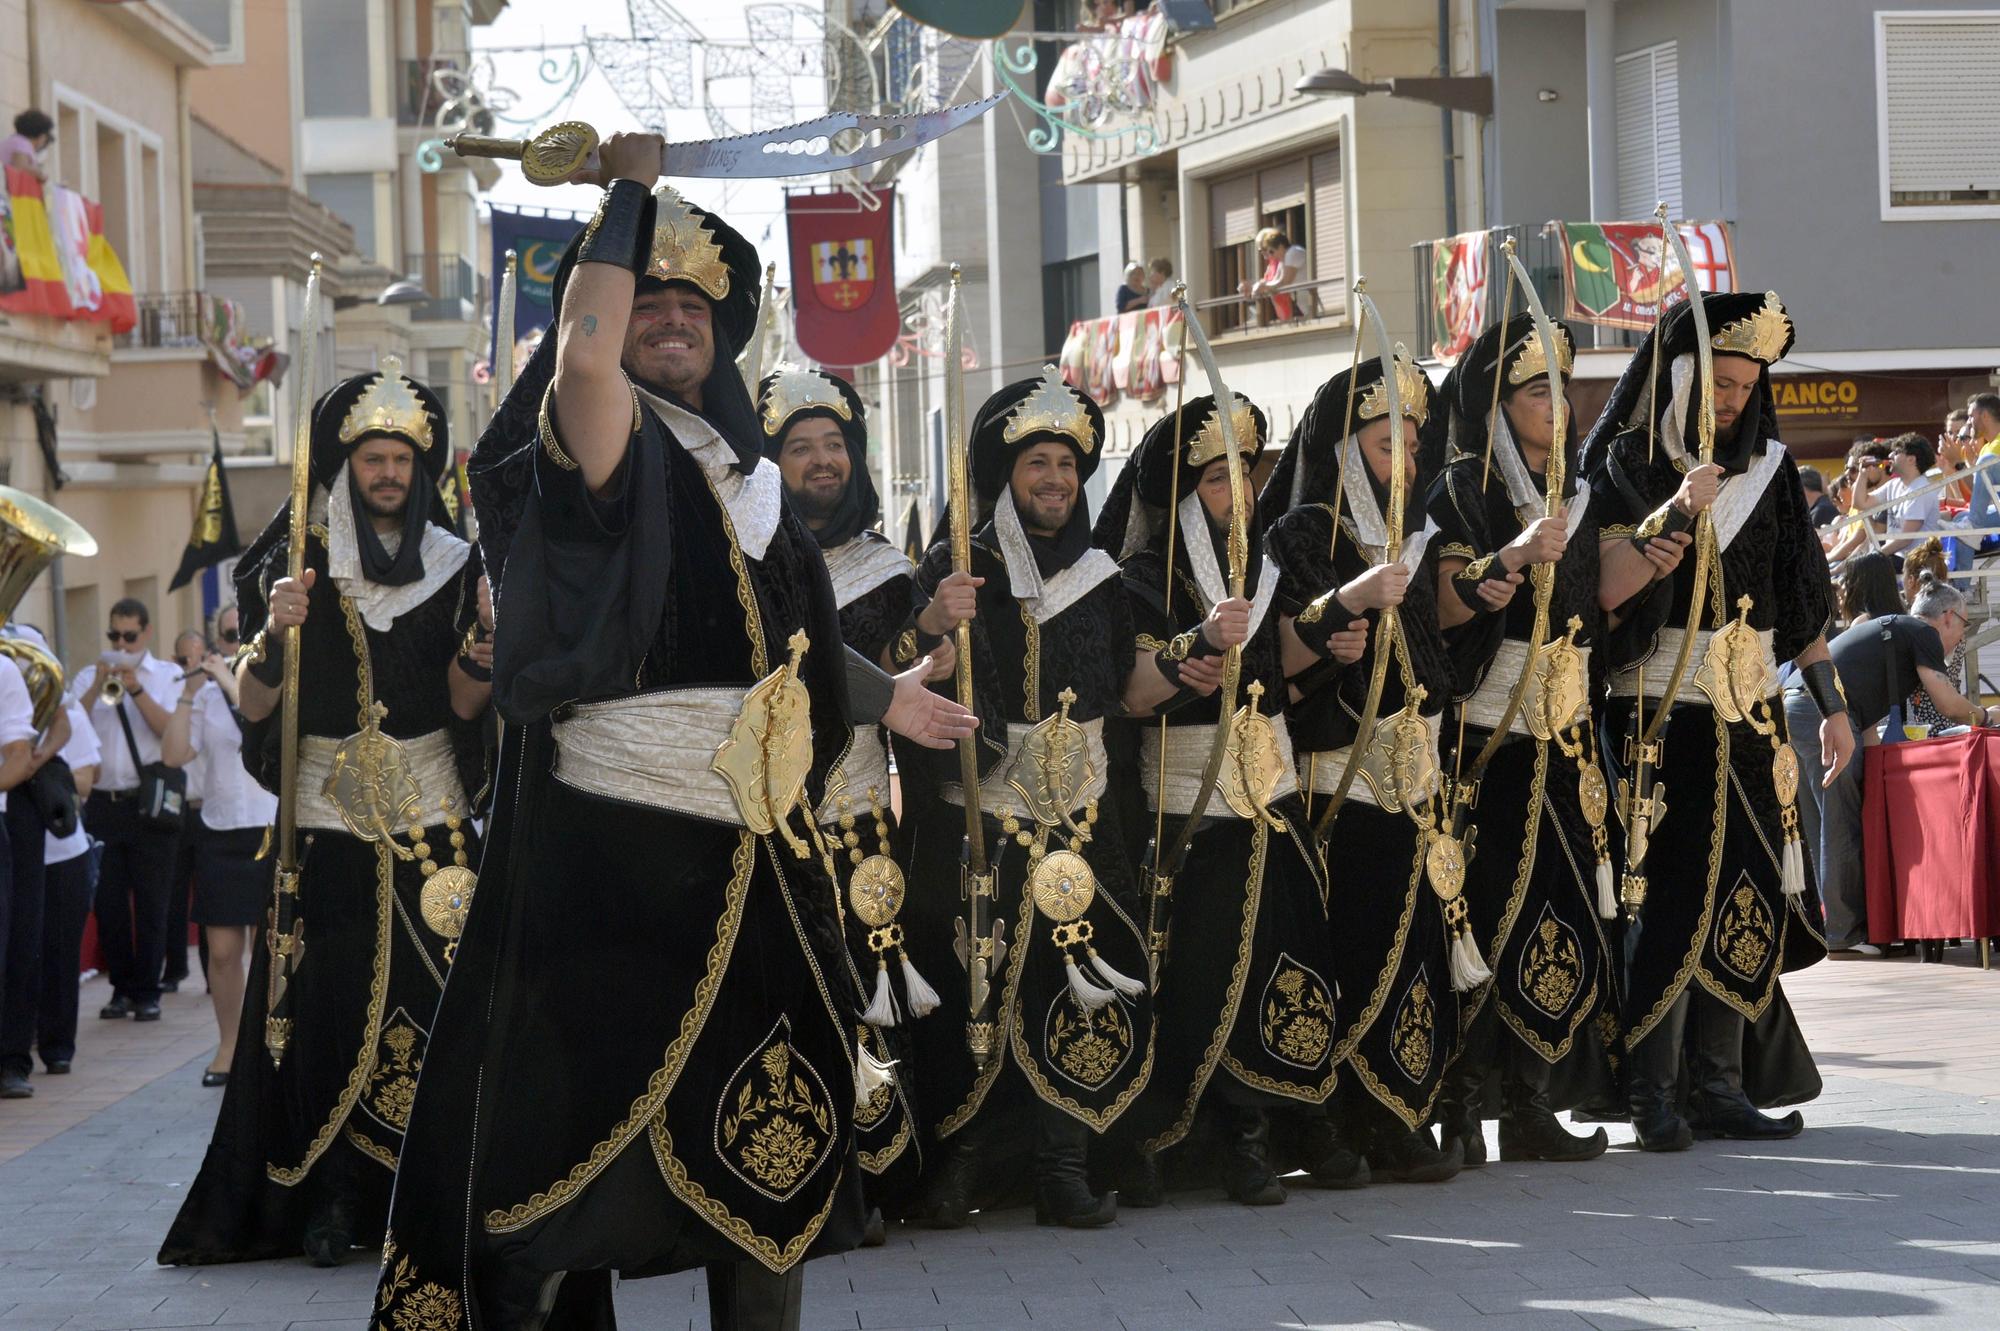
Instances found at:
x=180 y=889
x=21 y=990
x=132 y=883
x=70 y=886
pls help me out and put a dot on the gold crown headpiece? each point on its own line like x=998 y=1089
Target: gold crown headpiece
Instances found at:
x=1053 y=408
x=1760 y=336
x=1410 y=386
x=390 y=405
x=1207 y=446
x=799 y=388
x=684 y=249
x=1533 y=361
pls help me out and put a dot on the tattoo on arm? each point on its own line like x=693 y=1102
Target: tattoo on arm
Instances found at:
x=590 y=325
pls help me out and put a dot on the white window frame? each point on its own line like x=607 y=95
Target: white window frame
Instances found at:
x=139 y=263
x=1939 y=212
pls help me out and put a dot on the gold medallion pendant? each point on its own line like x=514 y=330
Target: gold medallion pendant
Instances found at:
x=1254 y=765
x=447 y=899
x=1444 y=861
x=1785 y=774
x=768 y=753
x=1062 y=884
x=876 y=890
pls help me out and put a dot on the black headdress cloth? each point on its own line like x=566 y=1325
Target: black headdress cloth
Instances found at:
x=502 y=475
x=860 y=507
x=1158 y=476
x=1631 y=398
x=1467 y=391
x=993 y=458
x=329 y=454
x=1309 y=468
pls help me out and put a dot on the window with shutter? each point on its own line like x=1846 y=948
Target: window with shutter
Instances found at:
x=1939 y=145
x=1301 y=197
x=1328 y=239
x=1646 y=88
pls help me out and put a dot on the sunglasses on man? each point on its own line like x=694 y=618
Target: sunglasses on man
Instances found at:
x=130 y=637
x=229 y=635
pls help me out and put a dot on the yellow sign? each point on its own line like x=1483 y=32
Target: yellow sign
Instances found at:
x=1817 y=397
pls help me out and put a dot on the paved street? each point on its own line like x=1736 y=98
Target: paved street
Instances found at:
x=1886 y=1212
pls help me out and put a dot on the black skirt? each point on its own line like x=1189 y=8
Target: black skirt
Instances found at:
x=231 y=885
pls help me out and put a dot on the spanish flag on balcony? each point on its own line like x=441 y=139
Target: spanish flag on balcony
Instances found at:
x=55 y=260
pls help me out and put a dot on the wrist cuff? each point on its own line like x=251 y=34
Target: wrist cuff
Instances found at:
x=1325 y=610
x=1823 y=683
x=267 y=658
x=1662 y=521
x=615 y=233
x=1486 y=568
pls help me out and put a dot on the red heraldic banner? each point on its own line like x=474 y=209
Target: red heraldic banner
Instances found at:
x=843 y=277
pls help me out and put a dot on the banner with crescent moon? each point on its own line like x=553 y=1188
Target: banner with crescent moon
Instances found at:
x=1618 y=274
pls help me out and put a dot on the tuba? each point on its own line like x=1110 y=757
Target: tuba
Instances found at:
x=32 y=534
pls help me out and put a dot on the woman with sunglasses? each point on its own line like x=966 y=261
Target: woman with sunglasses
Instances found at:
x=231 y=884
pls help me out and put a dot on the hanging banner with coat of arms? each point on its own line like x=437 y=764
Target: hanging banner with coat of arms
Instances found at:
x=1458 y=293
x=843 y=276
x=1619 y=273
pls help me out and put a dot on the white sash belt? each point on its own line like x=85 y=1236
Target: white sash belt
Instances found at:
x=1485 y=707
x=1188 y=748
x=654 y=749
x=432 y=764
x=861 y=776
x=1625 y=683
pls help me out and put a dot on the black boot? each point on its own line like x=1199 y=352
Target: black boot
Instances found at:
x=1246 y=1169
x=1405 y=1156
x=1143 y=1186
x=1457 y=1113
x=1528 y=1127
x=1062 y=1175
x=1329 y=1160
x=329 y=1236
x=1719 y=1108
x=947 y=1201
x=743 y=1296
x=514 y=1298
x=1652 y=1070
x=874 y=1230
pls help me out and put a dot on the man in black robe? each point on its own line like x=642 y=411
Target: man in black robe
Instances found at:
x=646 y=1061
x=816 y=430
x=1246 y=1003
x=1072 y=1043
x=393 y=677
x=1539 y=882
x=1726 y=904
x=1394 y=937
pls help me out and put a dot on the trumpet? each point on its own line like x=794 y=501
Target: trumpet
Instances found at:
x=112 y=692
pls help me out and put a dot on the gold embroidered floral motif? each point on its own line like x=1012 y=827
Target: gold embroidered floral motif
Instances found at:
x=1410 y=1036
x=1088 y=1046
x=1744 y=933
x=778 y=1127
x=1297 y=1025
x=867 y=1113
x=393 y=1087
x=408 y=1305
x=1551 y=966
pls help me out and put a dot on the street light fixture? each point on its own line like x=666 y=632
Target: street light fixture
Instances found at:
x=404 y=291
x=1472 y=94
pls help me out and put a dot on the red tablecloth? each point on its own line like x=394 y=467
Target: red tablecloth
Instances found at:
x=1930 y=819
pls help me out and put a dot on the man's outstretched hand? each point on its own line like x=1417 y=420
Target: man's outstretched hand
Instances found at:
x=931 y=719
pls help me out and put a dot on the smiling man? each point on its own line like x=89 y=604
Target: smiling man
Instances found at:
x=393 y=678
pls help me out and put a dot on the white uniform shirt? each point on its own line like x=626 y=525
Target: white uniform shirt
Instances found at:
x=17 y=709
x=80 y=752
x=231 y=799
x=161 y=681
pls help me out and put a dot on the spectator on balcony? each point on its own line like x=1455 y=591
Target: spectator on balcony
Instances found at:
x=1866 y=475
x=1131 y=294
x=23 y=149
x=1160 y=281
x=1284 y=265
x=1818 y=507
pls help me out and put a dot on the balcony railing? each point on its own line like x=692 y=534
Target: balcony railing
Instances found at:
x=166 y=319
x=455 y=289
x=417 y=97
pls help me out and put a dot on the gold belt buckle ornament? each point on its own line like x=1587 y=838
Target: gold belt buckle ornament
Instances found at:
x=1557 y=688
x=371 y=785
x=1053 y=769
x=1412 y=770
x=768 y=754
x=1255 y=763
x=1734 y=674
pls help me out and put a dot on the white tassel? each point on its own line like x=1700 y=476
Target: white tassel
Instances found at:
x=871 y=1074
x=882 y=1008
x=921 y=998
x=1123 y=983
x=1794 y=867
x=1468 y=970
x=1086 y=993
x=1607 y=892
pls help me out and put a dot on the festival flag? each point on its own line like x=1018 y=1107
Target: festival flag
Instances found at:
x=1619 y=274
x=32 y=281
x=1458 y=293
x=843 y=277
x=119 y=305
x=538 y=243
x=214 y=536
x=55 y=260
x=913 y=533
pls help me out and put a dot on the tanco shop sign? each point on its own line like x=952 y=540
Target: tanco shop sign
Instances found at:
x=1817 y=397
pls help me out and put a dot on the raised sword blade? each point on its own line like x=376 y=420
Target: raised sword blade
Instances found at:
x=808 y=148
